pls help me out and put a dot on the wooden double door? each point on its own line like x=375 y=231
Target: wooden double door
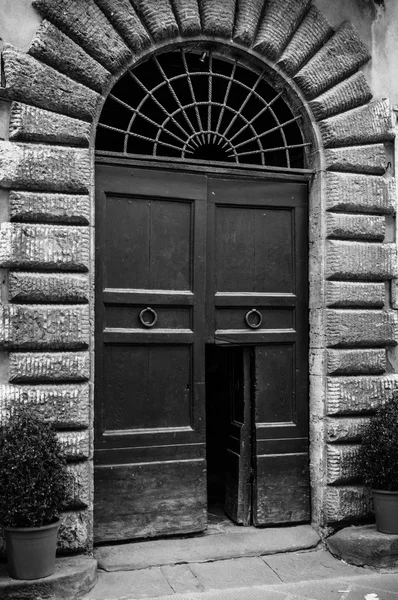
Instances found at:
x=201 y=291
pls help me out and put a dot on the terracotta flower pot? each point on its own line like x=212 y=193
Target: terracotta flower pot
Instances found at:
x=386 y=511
x=31 y=550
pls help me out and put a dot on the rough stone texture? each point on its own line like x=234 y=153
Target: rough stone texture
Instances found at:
x=367 y=124
x=359 y=260
x=75 y=445
x=32 y=124
x=44 y=327
x=370 y=159
x=347 y=503
x=158 y=17
x=73 y=577
x=57 y=50
x=26 y=246
x=309 y=37
x=339 y=58
x=75 y=532
x=248 y=14
x=360 y=193
x=345 y=429
x=49 y=366
x=48 y=287
x=80 y=475
x=356 y=395
x=356 y=362
x=347 y=294
x=355 y=227
x=363 y=328
x=348 y=94
x=342 y=463
x=218 y=17
x=365 y=546
x=49 y=208
x=188 y=16
x=33 y=82
x=87 y=25
x=44 y=168
x=278 y=24
x=66 y=406
x=126 y=22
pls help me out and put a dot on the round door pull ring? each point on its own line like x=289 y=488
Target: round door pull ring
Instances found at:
x=154 y=317
x=259 y=319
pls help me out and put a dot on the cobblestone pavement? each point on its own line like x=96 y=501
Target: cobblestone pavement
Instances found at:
x=315 y=575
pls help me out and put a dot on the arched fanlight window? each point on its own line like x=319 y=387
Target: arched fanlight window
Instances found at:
x=195 y=106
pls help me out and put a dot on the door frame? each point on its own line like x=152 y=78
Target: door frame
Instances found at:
x=233 y=172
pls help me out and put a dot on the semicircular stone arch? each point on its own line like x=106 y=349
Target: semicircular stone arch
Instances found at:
x=56 y=91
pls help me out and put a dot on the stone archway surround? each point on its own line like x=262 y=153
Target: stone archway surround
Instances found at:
x=56 y=91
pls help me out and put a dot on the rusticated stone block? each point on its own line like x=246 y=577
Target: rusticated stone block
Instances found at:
x=342 y=463
x=346 y=429
x=30 y=81
x=356 y=362
x=87 y=25
x=50 y=208
x=48 y=287
x=49 y=366
x=57 y=50
x=355 y=227
x=370 y=159
x=75 y=532
x=44 y=327
x=44 y=246
x=248 y=13
x=367 y=124
x=75 y=444
x=359 y=260
x=348 y=294
x=278 y=24
x=340 y=57
x=362 y=328
x=26 y=246
x=44 y=168
x=66 y=406
x=188 y=17
x=158 y=17
x=32 y=124
x=347 y=503
x=218 y=17
x=348 y=94
x=309 y=37
x=80 y=475
x=359 y=395
x=360 y=193
x=125 y=20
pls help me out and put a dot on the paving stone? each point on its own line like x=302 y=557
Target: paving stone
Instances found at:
x=237 y=572
x=308 y=565
x=365 y=546
x=130 y=584
x=181 y=579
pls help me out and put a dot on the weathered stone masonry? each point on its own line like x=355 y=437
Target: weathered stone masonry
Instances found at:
x=56 y=91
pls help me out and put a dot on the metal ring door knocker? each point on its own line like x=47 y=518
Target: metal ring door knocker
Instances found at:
x=254 y=324
x=154 y=317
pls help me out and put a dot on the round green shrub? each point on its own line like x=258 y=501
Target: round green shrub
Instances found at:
x=379 y=450
x=33 y=474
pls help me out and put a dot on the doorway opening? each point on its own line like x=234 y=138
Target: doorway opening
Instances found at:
x=228 y=434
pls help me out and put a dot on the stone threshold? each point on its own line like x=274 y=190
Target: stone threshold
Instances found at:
x=74 y=576
x=235 y=542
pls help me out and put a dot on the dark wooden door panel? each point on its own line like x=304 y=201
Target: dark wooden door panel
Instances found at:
x=149 y=419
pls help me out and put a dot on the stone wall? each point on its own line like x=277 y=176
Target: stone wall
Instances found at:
x=56 y=91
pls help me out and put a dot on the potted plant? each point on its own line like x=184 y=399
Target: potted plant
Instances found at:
x=379 y=464
x=33 y=484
